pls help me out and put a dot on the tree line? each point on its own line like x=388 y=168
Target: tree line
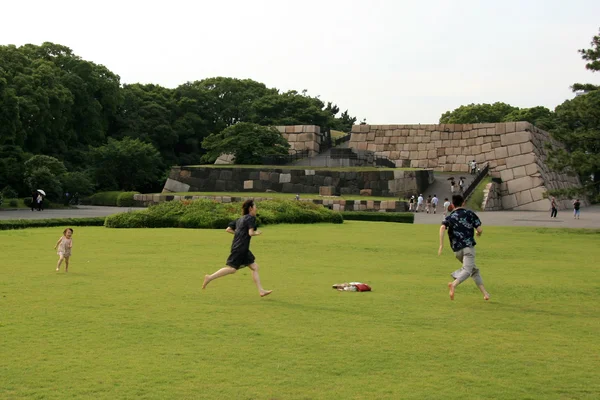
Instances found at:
x=108 y=135
x=575 y=123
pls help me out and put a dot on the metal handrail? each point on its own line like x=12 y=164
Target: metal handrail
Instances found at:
x=471 y=188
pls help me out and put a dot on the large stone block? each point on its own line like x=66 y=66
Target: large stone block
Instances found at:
x=501 y=152
x=531 y=169
x=175 y=186
x=526 y=147
x=524 y=197
x=540 y=205
x=509 y=202
x=519 y=172
x=515 y=138
x=285 y=178
x=517 y=161
x=538 y=193
x=518 y=185
x=506 y=175
x=486 y=147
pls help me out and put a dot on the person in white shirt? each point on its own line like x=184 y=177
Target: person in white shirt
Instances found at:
x=419 y=202
x=473 y=167
x=446 y=205
x=434 y=203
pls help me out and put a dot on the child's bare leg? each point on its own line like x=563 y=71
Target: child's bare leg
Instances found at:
x=451 y=286
x=66 y=264
x=60 y=260
x=222 y=272
x=256 y=278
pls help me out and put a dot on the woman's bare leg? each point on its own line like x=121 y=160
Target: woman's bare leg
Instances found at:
x=222 y=272
x=256 y=278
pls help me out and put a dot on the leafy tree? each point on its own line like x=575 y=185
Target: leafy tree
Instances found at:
x=77 y=182
x=128 y=164
x=478 y=113
x=55 y=166
x=578 y=128
x=43 y=178
x=248 y=142
x=539 y=116
x=12 y=160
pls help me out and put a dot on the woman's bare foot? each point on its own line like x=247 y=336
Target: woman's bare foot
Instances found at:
x=206 y=281
x=265 y=293
x=451 y=287
x=486 y=296
x=57 y=269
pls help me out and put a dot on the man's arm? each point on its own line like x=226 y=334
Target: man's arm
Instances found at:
x=442 y=233
x=229 y=230
x=479 y=230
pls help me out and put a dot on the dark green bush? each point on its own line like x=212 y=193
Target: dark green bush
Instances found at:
x=207 y=214
x=125 y=199
x=104 y=199
x=44 y=223
x=13 y=203
x=407 y=218
x=9 y=193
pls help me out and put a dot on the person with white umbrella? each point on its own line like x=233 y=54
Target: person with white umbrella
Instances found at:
x=40 y=199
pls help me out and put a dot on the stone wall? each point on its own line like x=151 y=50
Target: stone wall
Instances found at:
x=514 y=150
x=143 y=200
x=302 y=137
x=231 y=179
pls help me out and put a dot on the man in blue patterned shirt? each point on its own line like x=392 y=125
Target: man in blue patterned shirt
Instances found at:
x=460 y=224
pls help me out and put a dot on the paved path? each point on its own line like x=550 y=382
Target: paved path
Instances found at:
x=590 y=216
x=79 y=212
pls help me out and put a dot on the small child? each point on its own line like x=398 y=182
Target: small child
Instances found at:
x=576 y=211
x=64 y=245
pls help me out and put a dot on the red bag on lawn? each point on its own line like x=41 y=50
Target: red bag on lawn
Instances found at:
x=363 y=287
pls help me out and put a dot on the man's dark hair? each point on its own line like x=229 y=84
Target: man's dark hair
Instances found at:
x=246 y=206
x=457 y=200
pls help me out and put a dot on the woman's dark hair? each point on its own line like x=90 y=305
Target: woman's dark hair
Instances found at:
x=68 y=229
x=246 y=206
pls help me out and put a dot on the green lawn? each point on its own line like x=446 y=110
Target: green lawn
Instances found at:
x=284 y=196
x=130 y=321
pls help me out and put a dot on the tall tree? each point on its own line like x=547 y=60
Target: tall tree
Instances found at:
x=248 y=142
x=578 y=128
x=478 y=113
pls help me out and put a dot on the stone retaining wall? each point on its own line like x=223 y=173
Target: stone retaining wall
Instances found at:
x=302 y=137
x=514 y=150
x=395 y=183
x=144 y=200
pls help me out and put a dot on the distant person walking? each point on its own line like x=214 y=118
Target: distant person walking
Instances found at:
x=411 y=203
x=554 y=209
x=576 y=211
x=461 y=185
x=452 y=185
x=446 y=205
x=243 y=229
x=461 y=224
x=473 y=167
x=428 y=204
x=434 y=203
x=419 y=202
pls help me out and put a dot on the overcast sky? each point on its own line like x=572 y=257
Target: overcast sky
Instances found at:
x=391 y=62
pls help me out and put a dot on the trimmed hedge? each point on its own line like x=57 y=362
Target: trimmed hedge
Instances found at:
x=208 y=214
x=125 y=199
x=104 y=198
x=407 y=218
x=45 y=223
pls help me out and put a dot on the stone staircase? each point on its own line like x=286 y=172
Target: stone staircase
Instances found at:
x=441 y=185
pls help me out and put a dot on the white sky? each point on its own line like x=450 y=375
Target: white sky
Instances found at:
x=390 y=62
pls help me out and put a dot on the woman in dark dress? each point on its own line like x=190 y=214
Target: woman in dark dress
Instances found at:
x=243 y=229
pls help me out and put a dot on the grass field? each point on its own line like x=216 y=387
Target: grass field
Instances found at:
x=130 y=321
x=474 y=202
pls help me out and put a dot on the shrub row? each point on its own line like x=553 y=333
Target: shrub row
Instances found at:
x=45 y=223
x=407 y=218
x=120 y=199
x=206 y=214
